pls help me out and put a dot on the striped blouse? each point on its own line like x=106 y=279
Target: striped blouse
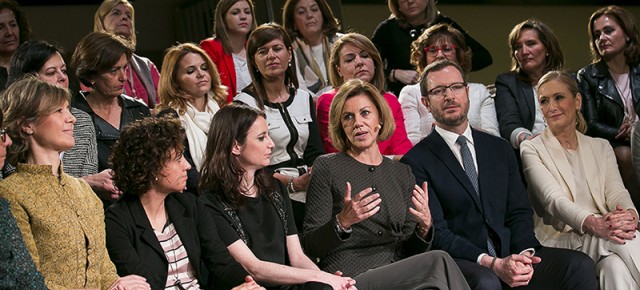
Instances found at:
x=180 y=270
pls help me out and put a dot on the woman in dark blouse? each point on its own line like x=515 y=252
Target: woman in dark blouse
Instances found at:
x=251 y=208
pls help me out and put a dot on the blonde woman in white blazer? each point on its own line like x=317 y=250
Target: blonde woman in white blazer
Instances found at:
x=576 y=189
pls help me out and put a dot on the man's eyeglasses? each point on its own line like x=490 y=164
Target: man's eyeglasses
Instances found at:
x=456 y=88
x=447 y=49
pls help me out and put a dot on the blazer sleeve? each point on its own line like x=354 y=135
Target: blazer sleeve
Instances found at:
x=314 y=144
x=409 y=104
x=320 y=234
x=506 y=107
x=589 y=90
x=546 y=189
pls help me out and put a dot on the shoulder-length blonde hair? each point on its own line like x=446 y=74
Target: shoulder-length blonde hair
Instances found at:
x=352 y=88
x=431 y=12
x=105 y=8
x=431 y=36
x=27 y=101
x=362 y=42
x=555 y=58
x=627 y=22
x=220 y=24
x=565 y=78
x=169 y=91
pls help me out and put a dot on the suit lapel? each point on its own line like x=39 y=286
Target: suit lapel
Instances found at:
x=442 y=151
x=185 y=228
x=556 y=152
x=144 y=226
x=527 y=92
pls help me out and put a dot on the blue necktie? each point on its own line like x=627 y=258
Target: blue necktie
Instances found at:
x=470 y=170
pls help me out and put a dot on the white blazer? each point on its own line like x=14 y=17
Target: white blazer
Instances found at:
x=552 y=187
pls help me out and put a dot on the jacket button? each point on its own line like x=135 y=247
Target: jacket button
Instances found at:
x=379 y=233
x=371 y=169
x=374 y=189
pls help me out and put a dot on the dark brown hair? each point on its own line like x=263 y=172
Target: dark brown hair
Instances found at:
x=262 y=35
x=142 y=151
x=221 y=172
x=627 y=22
x=97 y=53
x=555 y=58
x=21 y=18
x=434 y=67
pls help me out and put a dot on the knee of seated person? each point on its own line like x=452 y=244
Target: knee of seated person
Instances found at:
x=484 y=282
x=582 y=262
x=439 y=255
x=609 y=264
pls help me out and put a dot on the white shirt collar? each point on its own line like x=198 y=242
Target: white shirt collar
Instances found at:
x=450 y=138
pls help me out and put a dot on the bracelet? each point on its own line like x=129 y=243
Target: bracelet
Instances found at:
x=493 y=262
x=290 y=186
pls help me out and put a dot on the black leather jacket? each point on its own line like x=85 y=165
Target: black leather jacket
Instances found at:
x=602 y=105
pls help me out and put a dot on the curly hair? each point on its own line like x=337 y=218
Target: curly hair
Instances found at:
x=221 y=172
x=21 y=18
x=25 y=101
x=330 y=24
x=169 y=91
x=142 y=151
x=431 y=36
x=627 y=22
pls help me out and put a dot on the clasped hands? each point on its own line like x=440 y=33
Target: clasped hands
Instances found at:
x=365 y=204
x=616 y=226
x=515 y=270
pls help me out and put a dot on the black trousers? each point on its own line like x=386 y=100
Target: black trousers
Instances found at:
x=560 y=269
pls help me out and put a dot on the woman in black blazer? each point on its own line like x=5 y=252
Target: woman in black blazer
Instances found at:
x=535 y=50
x=155 y=230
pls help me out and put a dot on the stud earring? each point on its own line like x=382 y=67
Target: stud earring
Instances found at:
x=289 y=64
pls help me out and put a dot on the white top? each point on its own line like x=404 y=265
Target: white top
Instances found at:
x=318 y=55
x=243 y=78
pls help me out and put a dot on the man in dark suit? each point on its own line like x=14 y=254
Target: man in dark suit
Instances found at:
x=478 y=203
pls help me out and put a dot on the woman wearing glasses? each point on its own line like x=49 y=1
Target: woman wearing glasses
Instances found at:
x=441 y=42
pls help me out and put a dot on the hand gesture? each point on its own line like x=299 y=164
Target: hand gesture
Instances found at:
x=249 y=284
x=421 y=210
x=130 y=282
x=360 y=207
x=301 y=183
x=515 y=270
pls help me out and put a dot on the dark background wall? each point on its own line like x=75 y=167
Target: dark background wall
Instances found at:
x=161 y=23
